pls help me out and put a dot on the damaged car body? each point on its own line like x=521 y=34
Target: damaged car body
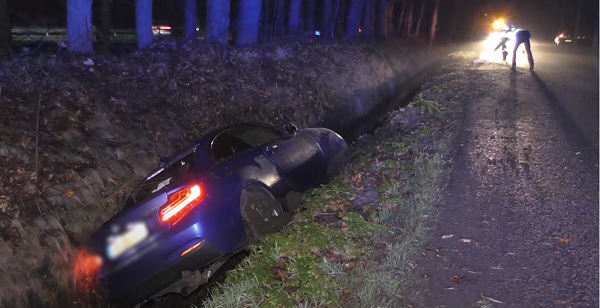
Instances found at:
x=207 y=202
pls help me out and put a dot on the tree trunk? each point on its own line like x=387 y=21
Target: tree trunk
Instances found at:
x=382 y=18
x=5 y=30
x=295 y=17
x=79 y=26
x=354 y=18
x=433 y=23
x=401 y=21
x=247 y=23
x=279 y=26
x=190 y=19
x=409 y=19
x=143 y=22
x=368 y=19
x=389 y=25
x=103 y=32
x=217 y=21
x=326 y=18
x=418 y=27
x=311 y=16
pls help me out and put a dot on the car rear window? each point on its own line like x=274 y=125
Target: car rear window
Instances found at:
x=160 y=178
x=241 y=138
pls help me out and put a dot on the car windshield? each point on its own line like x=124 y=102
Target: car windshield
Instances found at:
x=160 y=178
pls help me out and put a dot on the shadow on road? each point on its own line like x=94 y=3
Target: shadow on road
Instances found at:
x=578 y=137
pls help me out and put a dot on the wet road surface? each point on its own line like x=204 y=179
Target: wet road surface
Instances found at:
x=518 y=225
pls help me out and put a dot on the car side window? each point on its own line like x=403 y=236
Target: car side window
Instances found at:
x=241 y=138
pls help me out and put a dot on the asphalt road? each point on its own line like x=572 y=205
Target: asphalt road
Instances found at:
x=518 y=223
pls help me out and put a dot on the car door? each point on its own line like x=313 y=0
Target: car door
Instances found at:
x=299 y=159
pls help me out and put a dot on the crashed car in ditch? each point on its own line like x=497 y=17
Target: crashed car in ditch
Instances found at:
x=207 y=202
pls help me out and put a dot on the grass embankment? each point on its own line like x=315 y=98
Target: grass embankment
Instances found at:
x=355 y=240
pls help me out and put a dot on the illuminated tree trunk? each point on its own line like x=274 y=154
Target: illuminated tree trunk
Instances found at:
x=433 y=23
x=326 y=18
x=409 y=19
x=217 y=21
x=190 y=19
x=311 y=15
x=418 y=27
x=401 y=21
x=143 y=22
x=247 y=23
x=295 y=17
x=383 y=18
x=5 y=30
x=79 y=26
x=368 y=19
x=354 y=18
x=279 y=22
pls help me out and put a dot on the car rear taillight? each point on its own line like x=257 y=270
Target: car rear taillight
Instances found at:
x=181 y=202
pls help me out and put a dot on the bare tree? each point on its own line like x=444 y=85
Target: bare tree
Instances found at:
x=311 y=16
x=279 y=20
x=190 y=19
x=217 y=21
x=433 y=23
x=382 y=18
x=354 y=18
x=79 y=26
x=401 y=20
x=247 y=23
x=5 y=29
x=295 y=17
x=409 y=19
x=418 y=27
x=143 y=22
x=326 y=18
x=368 y=19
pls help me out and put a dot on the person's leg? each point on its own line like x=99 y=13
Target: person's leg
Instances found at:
x=514 y=59
x=529 y=55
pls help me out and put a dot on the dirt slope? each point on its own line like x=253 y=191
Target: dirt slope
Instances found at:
x=518 y=226
x=77 y=131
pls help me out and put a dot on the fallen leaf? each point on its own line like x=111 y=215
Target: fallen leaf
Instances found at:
x=482 y=244
x=445 y=237
x=465 y=240
x=562 y=240
x=69 y=192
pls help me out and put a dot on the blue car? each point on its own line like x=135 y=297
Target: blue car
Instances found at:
x=206 y=203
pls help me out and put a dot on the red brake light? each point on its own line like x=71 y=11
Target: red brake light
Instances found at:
x=181 y=202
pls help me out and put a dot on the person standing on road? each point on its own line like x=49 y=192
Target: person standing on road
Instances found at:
x=522 y=37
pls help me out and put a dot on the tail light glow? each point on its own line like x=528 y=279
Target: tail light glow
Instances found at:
x=181 y=202
x=86 y=269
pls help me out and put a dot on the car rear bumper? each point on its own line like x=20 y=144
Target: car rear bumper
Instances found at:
x=147 y=275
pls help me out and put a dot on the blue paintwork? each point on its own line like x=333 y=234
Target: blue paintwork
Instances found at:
x=293 y=161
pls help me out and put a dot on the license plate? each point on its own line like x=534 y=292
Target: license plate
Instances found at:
x=120 y=243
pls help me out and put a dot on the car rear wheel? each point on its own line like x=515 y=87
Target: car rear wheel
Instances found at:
x=262 y=213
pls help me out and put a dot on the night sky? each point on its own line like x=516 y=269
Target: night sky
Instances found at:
x=457 y=18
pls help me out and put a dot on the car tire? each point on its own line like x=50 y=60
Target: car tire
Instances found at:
x=262 y=213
